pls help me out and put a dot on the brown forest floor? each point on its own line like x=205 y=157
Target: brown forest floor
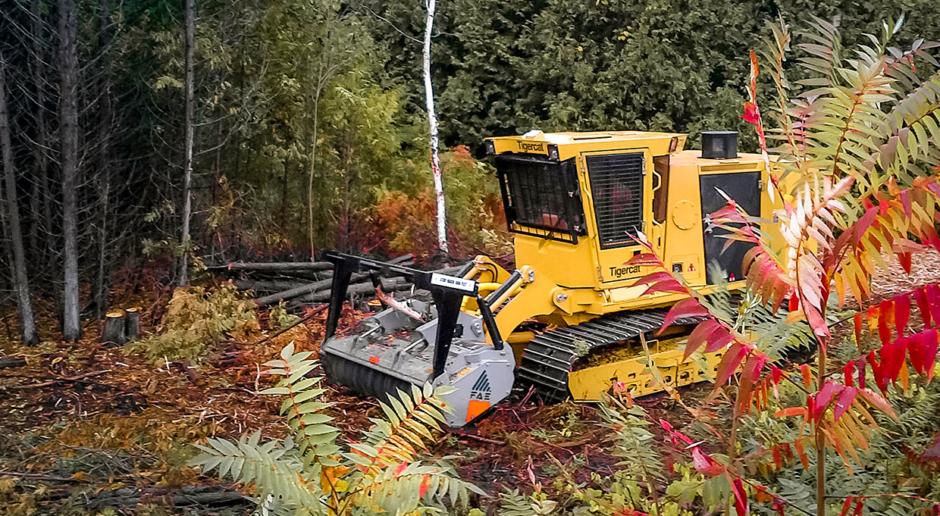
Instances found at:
x=86 y=427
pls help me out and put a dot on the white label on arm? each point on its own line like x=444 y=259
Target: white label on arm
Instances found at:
x=443 y=280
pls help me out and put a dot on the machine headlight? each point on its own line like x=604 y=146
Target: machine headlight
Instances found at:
x=552 y=151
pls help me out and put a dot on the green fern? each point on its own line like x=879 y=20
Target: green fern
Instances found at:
x=632 y=442
x=312 y=474
x=514 y=503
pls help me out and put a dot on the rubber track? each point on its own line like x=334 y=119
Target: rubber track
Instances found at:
x=550 y=356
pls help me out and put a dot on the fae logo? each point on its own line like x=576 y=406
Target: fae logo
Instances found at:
x=619 y=272
x=481 y=388
x=532 y=147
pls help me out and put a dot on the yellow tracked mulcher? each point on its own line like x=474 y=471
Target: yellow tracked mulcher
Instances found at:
x=568 y=320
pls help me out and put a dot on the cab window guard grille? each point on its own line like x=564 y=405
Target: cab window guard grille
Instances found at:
x=541 y=197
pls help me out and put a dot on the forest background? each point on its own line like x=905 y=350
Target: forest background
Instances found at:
x=316 y=107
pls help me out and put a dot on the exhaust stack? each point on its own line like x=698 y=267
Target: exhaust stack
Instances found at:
x=720 y=144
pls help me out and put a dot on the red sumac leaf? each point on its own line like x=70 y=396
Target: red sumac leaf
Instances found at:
x=902 y=313
x=686 y=308
x=858 y=327
x=718 y=339
x=880 y=379
x=644 y=259
x=878 y=401
x=884 y=333
x=750 y=115
x=844 y=401
x=824 y=397
x=807 y=375
x=740 y=497
x=904 y=258
x=729 y=363
x=423 y=488
x=653 y=278
x=922 y=350
x=933 y=300
x=790 y=412
x=920 y=295
x=892 y=358
x=699 y=336
x=848 y=372
x=704 y=464
x=670 y=285
x=846 y=506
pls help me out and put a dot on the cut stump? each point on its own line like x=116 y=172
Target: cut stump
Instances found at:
x=113 y=331
x=132 y=324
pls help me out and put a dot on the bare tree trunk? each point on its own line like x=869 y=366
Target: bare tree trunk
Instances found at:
x=312 y=172
x=40 y=204
x=432 y=129
x=68 y=130
x=188 y=144
x=104 y=172
x=18 y=263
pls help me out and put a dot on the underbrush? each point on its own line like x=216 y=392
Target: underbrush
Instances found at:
x=197 y=318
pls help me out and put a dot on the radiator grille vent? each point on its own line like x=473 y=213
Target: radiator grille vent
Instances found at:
x=617 y=189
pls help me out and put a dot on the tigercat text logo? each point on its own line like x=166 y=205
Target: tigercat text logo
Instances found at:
x=620 y=272
x=531 y=147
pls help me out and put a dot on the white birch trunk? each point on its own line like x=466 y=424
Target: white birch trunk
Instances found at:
x=432 y=129
x=185 y=238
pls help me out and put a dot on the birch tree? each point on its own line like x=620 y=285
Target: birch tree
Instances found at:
x=432 y=131
x=185 y=240
x=18 y=262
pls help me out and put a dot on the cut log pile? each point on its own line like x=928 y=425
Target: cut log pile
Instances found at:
x=303 y=283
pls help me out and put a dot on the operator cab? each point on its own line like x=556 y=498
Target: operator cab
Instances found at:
x=576 y=202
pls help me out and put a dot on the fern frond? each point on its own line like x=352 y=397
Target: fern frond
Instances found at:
x=813 y=217
x=305 y=413
x=411 y=486
x=513 y=503
x=411 y=420
x=272 y=467
x=824 y=48
x=632 y=442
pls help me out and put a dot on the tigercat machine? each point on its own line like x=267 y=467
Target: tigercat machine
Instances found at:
x=568 y=320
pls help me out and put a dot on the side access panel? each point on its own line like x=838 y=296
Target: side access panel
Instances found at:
x=744 y=188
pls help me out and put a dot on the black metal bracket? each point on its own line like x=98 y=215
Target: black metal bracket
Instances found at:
x=447 y=292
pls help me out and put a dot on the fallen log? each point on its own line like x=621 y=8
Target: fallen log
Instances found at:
x=395 y=284
x=64 y=379
x=304 y=289
x=204 y=495
x=12 y=362
x=272 y=266
x=406 y=259
x=269 y=286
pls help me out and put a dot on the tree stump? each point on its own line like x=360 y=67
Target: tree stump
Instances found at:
x=113 y=331
x=132 y=324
